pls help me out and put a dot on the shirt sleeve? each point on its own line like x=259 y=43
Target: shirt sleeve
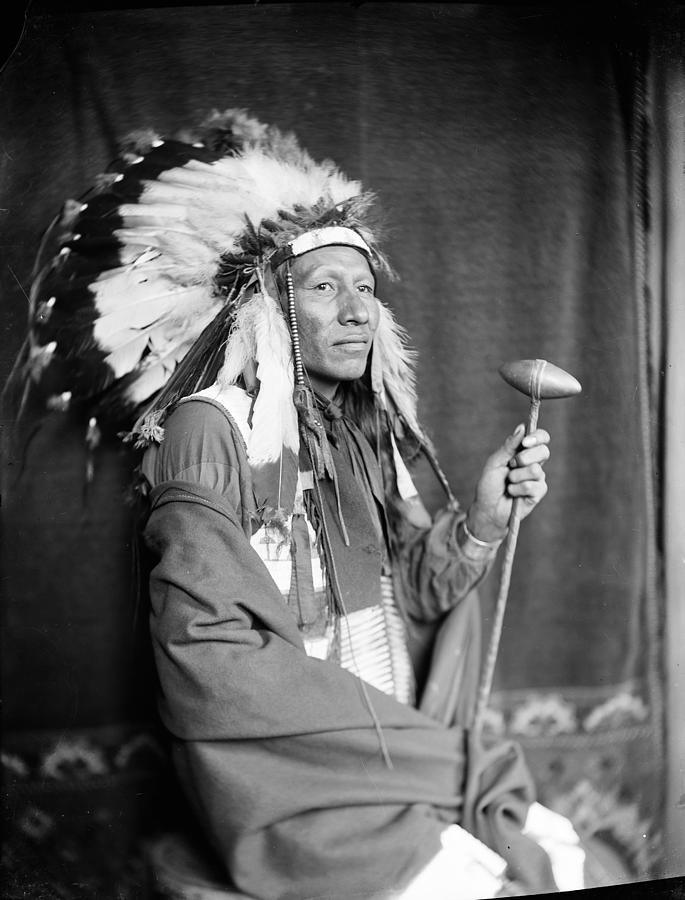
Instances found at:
x=199 y=448
x=438 y=564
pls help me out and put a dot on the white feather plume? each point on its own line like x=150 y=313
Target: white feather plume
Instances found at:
x=397 y=366
x=241 y=347
x=260 y=334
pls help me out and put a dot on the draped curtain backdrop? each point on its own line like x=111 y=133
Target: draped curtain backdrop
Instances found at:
x=505 y=149
x=664 y=291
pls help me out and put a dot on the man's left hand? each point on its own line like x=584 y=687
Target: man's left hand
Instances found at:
x=514 y=470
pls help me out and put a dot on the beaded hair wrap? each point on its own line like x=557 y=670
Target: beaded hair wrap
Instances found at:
x=294 y=331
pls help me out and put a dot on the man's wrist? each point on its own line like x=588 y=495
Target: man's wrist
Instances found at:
x=473 y=547
x=482 y=528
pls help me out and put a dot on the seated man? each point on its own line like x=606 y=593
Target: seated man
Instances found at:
x=295 y=571
x=273 y=636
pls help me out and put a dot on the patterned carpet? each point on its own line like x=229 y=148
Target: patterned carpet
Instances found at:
x=78 y=812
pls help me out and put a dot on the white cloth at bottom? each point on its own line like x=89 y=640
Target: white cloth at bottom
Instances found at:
x=465 y=869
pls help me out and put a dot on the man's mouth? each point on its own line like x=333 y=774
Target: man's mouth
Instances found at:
x=355 y=340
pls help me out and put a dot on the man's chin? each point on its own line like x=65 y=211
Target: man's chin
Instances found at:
x=352 y=372
x=344 y=372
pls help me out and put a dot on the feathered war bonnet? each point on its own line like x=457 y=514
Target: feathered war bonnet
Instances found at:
x=162 y=283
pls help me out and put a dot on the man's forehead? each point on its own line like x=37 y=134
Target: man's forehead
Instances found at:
x=334 y=257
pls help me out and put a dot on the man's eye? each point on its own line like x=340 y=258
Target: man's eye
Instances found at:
x=365 y=288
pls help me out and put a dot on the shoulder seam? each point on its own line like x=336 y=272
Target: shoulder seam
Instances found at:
x=222 y=409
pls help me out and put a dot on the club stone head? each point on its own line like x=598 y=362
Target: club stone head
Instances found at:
x=539 y=379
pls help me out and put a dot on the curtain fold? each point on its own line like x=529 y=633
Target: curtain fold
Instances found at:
x=665 y=283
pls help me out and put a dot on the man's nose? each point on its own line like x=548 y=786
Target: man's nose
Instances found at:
x=353 y=306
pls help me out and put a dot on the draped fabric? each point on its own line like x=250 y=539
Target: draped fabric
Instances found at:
x=499 y=140
x=664 y=288
x=272 y=760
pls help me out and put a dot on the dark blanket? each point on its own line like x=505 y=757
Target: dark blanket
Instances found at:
x=280 y=753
